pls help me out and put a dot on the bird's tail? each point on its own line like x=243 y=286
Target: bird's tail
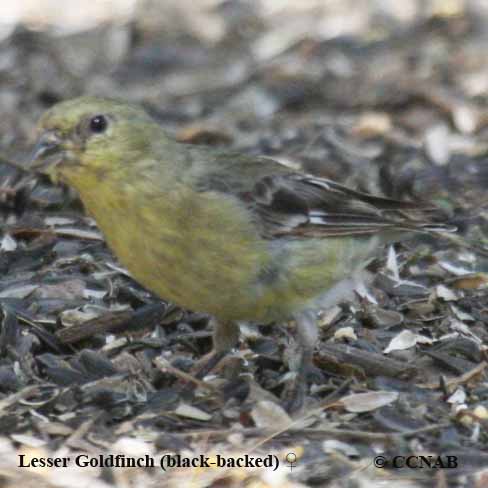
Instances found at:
x=431 y=227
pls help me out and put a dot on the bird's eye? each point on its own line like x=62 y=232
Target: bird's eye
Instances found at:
x=98 y=124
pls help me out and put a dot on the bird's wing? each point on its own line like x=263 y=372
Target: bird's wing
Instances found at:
x=286 y=203
x=306 y=206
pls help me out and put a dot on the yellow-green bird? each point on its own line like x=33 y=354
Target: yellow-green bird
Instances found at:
x=238 y=237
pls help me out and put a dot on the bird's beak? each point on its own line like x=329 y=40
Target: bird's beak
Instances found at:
x=47 y=152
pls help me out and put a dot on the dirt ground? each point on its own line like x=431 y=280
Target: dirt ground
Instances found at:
x=388 y=97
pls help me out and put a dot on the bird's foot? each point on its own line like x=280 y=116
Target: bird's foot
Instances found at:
x=313 y=374
x=295 y=393
x=201 y=369
x=293 y=397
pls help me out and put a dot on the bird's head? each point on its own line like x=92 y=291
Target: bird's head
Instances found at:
x=91 y=136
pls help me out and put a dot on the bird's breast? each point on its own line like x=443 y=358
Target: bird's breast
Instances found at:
x=199 y=250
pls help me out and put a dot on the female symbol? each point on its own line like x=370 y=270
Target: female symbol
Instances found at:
x=291 y=457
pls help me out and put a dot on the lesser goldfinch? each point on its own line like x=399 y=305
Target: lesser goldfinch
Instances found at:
x=241 y=238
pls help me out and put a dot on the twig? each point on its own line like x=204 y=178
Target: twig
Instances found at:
x=20 y=167
x=464 y=378
x=164 y=365
x=316 y=433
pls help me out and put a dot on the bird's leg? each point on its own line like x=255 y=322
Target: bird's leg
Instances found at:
x=225 y=337
x=307 y=335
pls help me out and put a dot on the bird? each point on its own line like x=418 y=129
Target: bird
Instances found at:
x=238 y=237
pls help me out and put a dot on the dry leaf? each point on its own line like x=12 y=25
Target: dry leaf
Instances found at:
x=405 y=340
x=366 y=402
x=188 y=411
x=8 y=243
x=445 y=293
x=471 y=282
x=459 y=397
x=270 y=415
x=345 y=333
x=371 y=124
